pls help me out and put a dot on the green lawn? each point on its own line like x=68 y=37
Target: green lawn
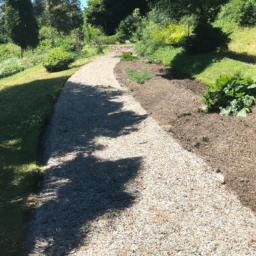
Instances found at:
x=207 y=67
x=26 y=103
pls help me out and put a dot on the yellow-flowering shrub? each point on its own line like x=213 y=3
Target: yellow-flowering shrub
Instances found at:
x=172 y=35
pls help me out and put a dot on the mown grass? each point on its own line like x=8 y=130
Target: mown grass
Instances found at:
x=244 y=41
x=207 y=67
x=26 y=103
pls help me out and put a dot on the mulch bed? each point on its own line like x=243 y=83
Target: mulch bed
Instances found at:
x=227 y=144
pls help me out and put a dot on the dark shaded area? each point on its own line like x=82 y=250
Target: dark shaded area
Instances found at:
x=190 y=65
x=226 y=143
x=86 y=187
x=24 y=112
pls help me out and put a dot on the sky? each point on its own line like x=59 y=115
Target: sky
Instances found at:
x=83 y=3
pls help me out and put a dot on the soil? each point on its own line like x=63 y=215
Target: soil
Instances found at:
x=227 y=144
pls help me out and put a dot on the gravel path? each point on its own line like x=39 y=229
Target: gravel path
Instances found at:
x=117 y=184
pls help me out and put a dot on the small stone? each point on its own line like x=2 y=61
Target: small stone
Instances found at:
x=221 y=178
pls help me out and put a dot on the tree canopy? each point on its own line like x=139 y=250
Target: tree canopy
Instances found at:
x=205 y=10
x=21 y=23
x=64 y=15
x=107 y=14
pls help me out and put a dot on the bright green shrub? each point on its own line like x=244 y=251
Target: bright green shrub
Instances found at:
x=127 y=57
x=139 y=76
x=57 y=60
x=8 y=51
x=148 y=44
x=231 y=95
x=172 y=35
x=11 y=66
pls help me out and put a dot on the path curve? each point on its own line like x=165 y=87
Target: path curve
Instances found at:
x=117 y=184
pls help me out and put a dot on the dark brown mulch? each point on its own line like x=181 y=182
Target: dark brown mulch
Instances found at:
x=226 y=143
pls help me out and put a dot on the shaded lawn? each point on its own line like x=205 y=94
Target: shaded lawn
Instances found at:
x=26 y=103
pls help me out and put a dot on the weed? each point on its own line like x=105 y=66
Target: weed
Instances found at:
x=139 y=76
x=127 y=57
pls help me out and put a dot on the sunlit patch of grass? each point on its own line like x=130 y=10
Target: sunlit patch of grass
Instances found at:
x=244 y=41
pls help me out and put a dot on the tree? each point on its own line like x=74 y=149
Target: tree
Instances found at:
x=205 y=10
x=39 y=11
x=107 y=14
x=21 y=23
x=205 y=37
x=64 y=15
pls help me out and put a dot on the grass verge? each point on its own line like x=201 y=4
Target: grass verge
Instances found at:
x=26 y=103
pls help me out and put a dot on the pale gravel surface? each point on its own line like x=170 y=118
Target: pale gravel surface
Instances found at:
x=117 y=184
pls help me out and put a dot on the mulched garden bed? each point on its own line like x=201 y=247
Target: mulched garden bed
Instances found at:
x=227 y=144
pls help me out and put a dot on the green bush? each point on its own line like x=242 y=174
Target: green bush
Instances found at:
x=8 y=51
x=148 y=43
x=127 y=57
x=206 y=38
x=107 y=39
x=57 y=60
x=128 y=26
x=139 y=76
x=10 y=67
x=231 y=95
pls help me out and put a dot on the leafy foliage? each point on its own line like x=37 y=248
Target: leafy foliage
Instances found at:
x=9 y=51
x=57 y=60
x=139 y=76
x=64 y=15
x=127 y=57
x=107 y=39
x=231 y=95
x=172 y=35
x=11 y=66
x=129 y=25
x=107 y=14
x=21 y=23
x=206 y=38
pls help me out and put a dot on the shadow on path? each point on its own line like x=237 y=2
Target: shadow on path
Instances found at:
x=79 y=189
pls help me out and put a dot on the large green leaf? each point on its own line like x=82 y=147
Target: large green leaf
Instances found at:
x=242 y=113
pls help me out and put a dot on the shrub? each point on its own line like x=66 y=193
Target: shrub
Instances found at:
x=57 y=60
x=11 y=66
x=148 y=44
x=8 y=51
x=127 y=57
x=172 y=35
x=107 y=39
x=206 y=38
x=128 y=26
x=231 y=95
x=139 y=76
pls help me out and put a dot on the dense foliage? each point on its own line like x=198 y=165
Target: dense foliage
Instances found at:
x=21 y=23
x=57 y=60
x=107 y=14
x=128 y=57
x=231 y=95
x=206 y=38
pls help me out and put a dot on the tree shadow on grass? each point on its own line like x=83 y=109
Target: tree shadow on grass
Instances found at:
x=189 y=65
x=83 y=187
